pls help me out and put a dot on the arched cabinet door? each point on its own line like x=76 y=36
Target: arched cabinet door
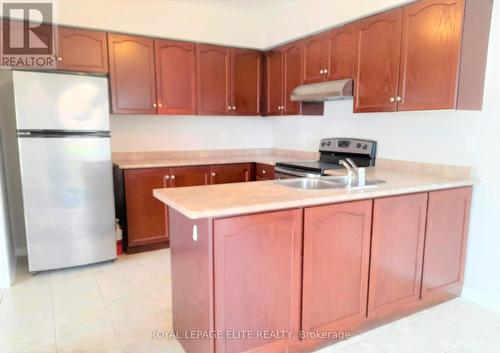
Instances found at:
x=82 y=51
x=315 y=58
x=175 y=77
x=342 y=42
x=132 y=74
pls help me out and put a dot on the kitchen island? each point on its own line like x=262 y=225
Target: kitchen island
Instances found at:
x=263 y=267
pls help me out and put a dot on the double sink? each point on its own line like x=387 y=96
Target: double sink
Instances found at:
x=329 y=182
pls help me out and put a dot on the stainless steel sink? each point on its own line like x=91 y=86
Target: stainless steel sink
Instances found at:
x=333 y=182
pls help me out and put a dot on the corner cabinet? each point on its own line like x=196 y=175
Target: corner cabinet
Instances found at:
x=428 y=55
x=246 y=81
x=132 y=74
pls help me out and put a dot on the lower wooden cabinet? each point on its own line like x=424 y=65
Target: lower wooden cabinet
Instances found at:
x=147 y=226
x=336 y=265
x=396 y=254
x=264 y=172
x=257 y=266
x=189 y=176
x=230 y=173
x=446 y=243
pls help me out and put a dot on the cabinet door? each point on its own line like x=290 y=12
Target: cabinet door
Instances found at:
x=189 y=176
x=315 y=58
x=378 y=43
x=397 y=253
x=432 y=38
x=336 y=265
x=341 y=57
x=81 y=50
x=257 y=288
x=146 y=216
x=264 y=171
x=246 y=81
x=132 y=74
x=274 y=82
x=446 y=243
x=214 y=86
x=230 y=173
x=292 y=66
x=175 y=77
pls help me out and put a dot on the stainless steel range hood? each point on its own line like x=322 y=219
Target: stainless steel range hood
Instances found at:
x=323 y=91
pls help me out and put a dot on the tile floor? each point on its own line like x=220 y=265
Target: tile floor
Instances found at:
x=114 y=308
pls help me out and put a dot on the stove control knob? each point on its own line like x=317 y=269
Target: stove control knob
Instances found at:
x=329 y=143
x=323 y=144
x=358 y=145
x=365 y=147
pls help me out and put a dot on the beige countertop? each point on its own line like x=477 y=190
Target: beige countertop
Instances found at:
x=196 y=158
x=243 y=198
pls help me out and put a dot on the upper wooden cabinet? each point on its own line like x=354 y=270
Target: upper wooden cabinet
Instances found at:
x=274 y=82
x=175 y=77
x=315 y=50
x=336 y=265
x=446 y=244
x=425 y=56
x=214 y=79
x=132 y=74
x=82 y=50
x=292 y=63
x=377 y=62
x=341 y=45
x=246 y=73
x=396 y=254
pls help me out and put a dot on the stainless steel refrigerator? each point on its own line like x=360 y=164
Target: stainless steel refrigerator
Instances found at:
x=55 y=134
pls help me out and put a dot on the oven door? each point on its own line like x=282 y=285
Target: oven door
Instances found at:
x=285 y=173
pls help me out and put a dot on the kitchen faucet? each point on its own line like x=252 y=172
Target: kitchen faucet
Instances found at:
x=353 y=172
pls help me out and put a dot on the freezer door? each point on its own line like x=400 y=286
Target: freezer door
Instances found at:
x=48 y=101
x=68 y=201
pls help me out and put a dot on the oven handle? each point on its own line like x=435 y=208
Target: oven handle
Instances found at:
x=295 y=173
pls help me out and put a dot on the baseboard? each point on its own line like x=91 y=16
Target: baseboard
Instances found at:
x=21 y=251
x=488 y=301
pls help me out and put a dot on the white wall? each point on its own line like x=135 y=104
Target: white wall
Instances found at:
x=7 y=256
x=451 y=137
x=159 y=133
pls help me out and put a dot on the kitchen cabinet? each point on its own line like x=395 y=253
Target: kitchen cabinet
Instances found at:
x=82 y=50
x=377 y=62
x=315 y=56
x=230 y=173
x=396 y=254
x=336 y=265
x=428 y=55
x=274 y=82
x=342 y=43
x=214 y=79
x=132 y=74
x=147 y=226
x=175 y=77
x=291 y=77
x=189 y=176
x=246 y=72
x=264 y=172
x=430 y=60
x=446 y=244
x=257 y=262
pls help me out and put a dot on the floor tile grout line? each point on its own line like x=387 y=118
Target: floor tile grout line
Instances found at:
x=54 y=312
x=107 y=312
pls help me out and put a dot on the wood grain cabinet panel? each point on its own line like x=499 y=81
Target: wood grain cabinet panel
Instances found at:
x=146 y=216
x=430 y=54
x=292 y=66
x=230 y=173
x=189 y=176
x=446 y=243
x=336 y=265
x=264 y=171
x=397 y=254
x=82 y=50
x=378 y=43
x=132 y=74
x=246 y=72
x=315 y=57
x=342 y=42
x=175 y=77
x=257 y=262
x=274 y=82
x=214 y=79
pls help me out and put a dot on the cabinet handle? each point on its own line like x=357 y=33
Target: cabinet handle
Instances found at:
x=399 y=99
x=59 y=59
x=229 y=107
x=154 y=105
x=167 y=177
x=234 y=107
x=213 y=174
x=263 y=172
x=325 y=71
x=321 y=72
x=393 y=99
x=173 y=177
x=160 y=105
